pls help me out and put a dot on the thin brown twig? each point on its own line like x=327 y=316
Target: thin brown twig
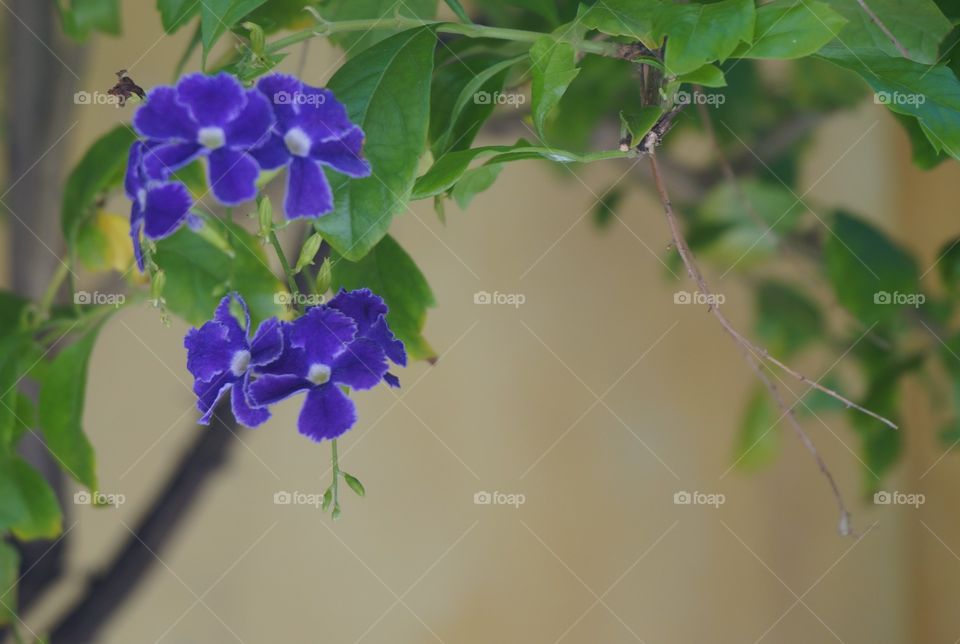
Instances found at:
x=886 y=32
x=753 y=353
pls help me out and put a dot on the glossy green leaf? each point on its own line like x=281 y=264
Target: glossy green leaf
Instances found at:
x=356 y=42
x=918 y=25
x=14 y=353
x=787 y=320
x=924 y=155
x=699 y=34
x=101 y=168
x=791 y=29
x=389 y=272
x=62 y=394
x=473 y=182
x=554 y=67
x=759 y=438
x=708 y=76
x=631 y=18
x=43 y=519
x=868 y=271
x=638 y=123
x=175 y=13
x=386 y=89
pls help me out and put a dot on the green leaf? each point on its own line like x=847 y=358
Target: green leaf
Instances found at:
x=61 y=402
x=867 y=269
x=354 y=484
x=759 y=438
x=200 y=272
x=101 y=168
x=700 y=34
x=175 y=13
x=14 y=353
x=473 y=182
x=12 y=307
x=43 y=519
x=449 y=168
x=924 y=155
x=218 y=16
x=708 y=76
x=9 y=577
x=388 y=271
x=355 y=42
x=948 y=264
x=637 y=124
x=918 y=25
x=631 y=18
x=386 y=89
x=791 y=29
x=554 y=67
x=82 y=17
x=787 y=320
x=458 y=10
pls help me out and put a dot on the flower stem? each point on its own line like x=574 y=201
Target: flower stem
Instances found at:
x=335 y=462
x=403 y=22
x=63 y=270
x=291 y=280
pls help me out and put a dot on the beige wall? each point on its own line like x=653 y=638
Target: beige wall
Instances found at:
x=512 y=406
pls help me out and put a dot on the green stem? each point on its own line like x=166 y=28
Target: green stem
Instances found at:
x=291 y=280
x=63 y=270
x=402 y=22
x=336 y=478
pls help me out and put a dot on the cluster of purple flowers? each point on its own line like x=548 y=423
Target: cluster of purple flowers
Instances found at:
x=280 y=122
x=343 y=344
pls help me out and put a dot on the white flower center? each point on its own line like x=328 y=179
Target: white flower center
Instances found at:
x=240 y=362
x=211 y=137
x=297 y=142
x=319 y=374
x=142 y=198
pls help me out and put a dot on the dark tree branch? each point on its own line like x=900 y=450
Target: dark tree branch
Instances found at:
x=109 y=590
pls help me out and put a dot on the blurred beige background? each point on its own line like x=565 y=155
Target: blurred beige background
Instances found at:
x=597 y=400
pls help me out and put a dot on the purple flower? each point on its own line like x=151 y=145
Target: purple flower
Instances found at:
x=210 y=116
x=220 y=356
x=368 y=312
x=311 y=129
x=159 y=207
x=321 y=353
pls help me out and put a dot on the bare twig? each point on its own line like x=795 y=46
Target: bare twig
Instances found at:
x=752 y=352
x=886 y=32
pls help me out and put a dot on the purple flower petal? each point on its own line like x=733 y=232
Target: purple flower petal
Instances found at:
x=209 y=394
x=242 y=411
x=272 y=154
x=362 y=305
x=163 y=117
x=269 y=389
x=133 y=181
x=267 y=343
x=343 y=154
x=281 y=91
x=233 y=176
x=327 y=413
x=321 y=115
x=391 y=380
x=210 y=351
x=322 y=334
x=381 y=334
x=252 y=125
x=211 y=100
x=136 y=226
x=160 y=161
x=361 y=366
x=236 y=334
x=308 y=192
x=165 y=209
